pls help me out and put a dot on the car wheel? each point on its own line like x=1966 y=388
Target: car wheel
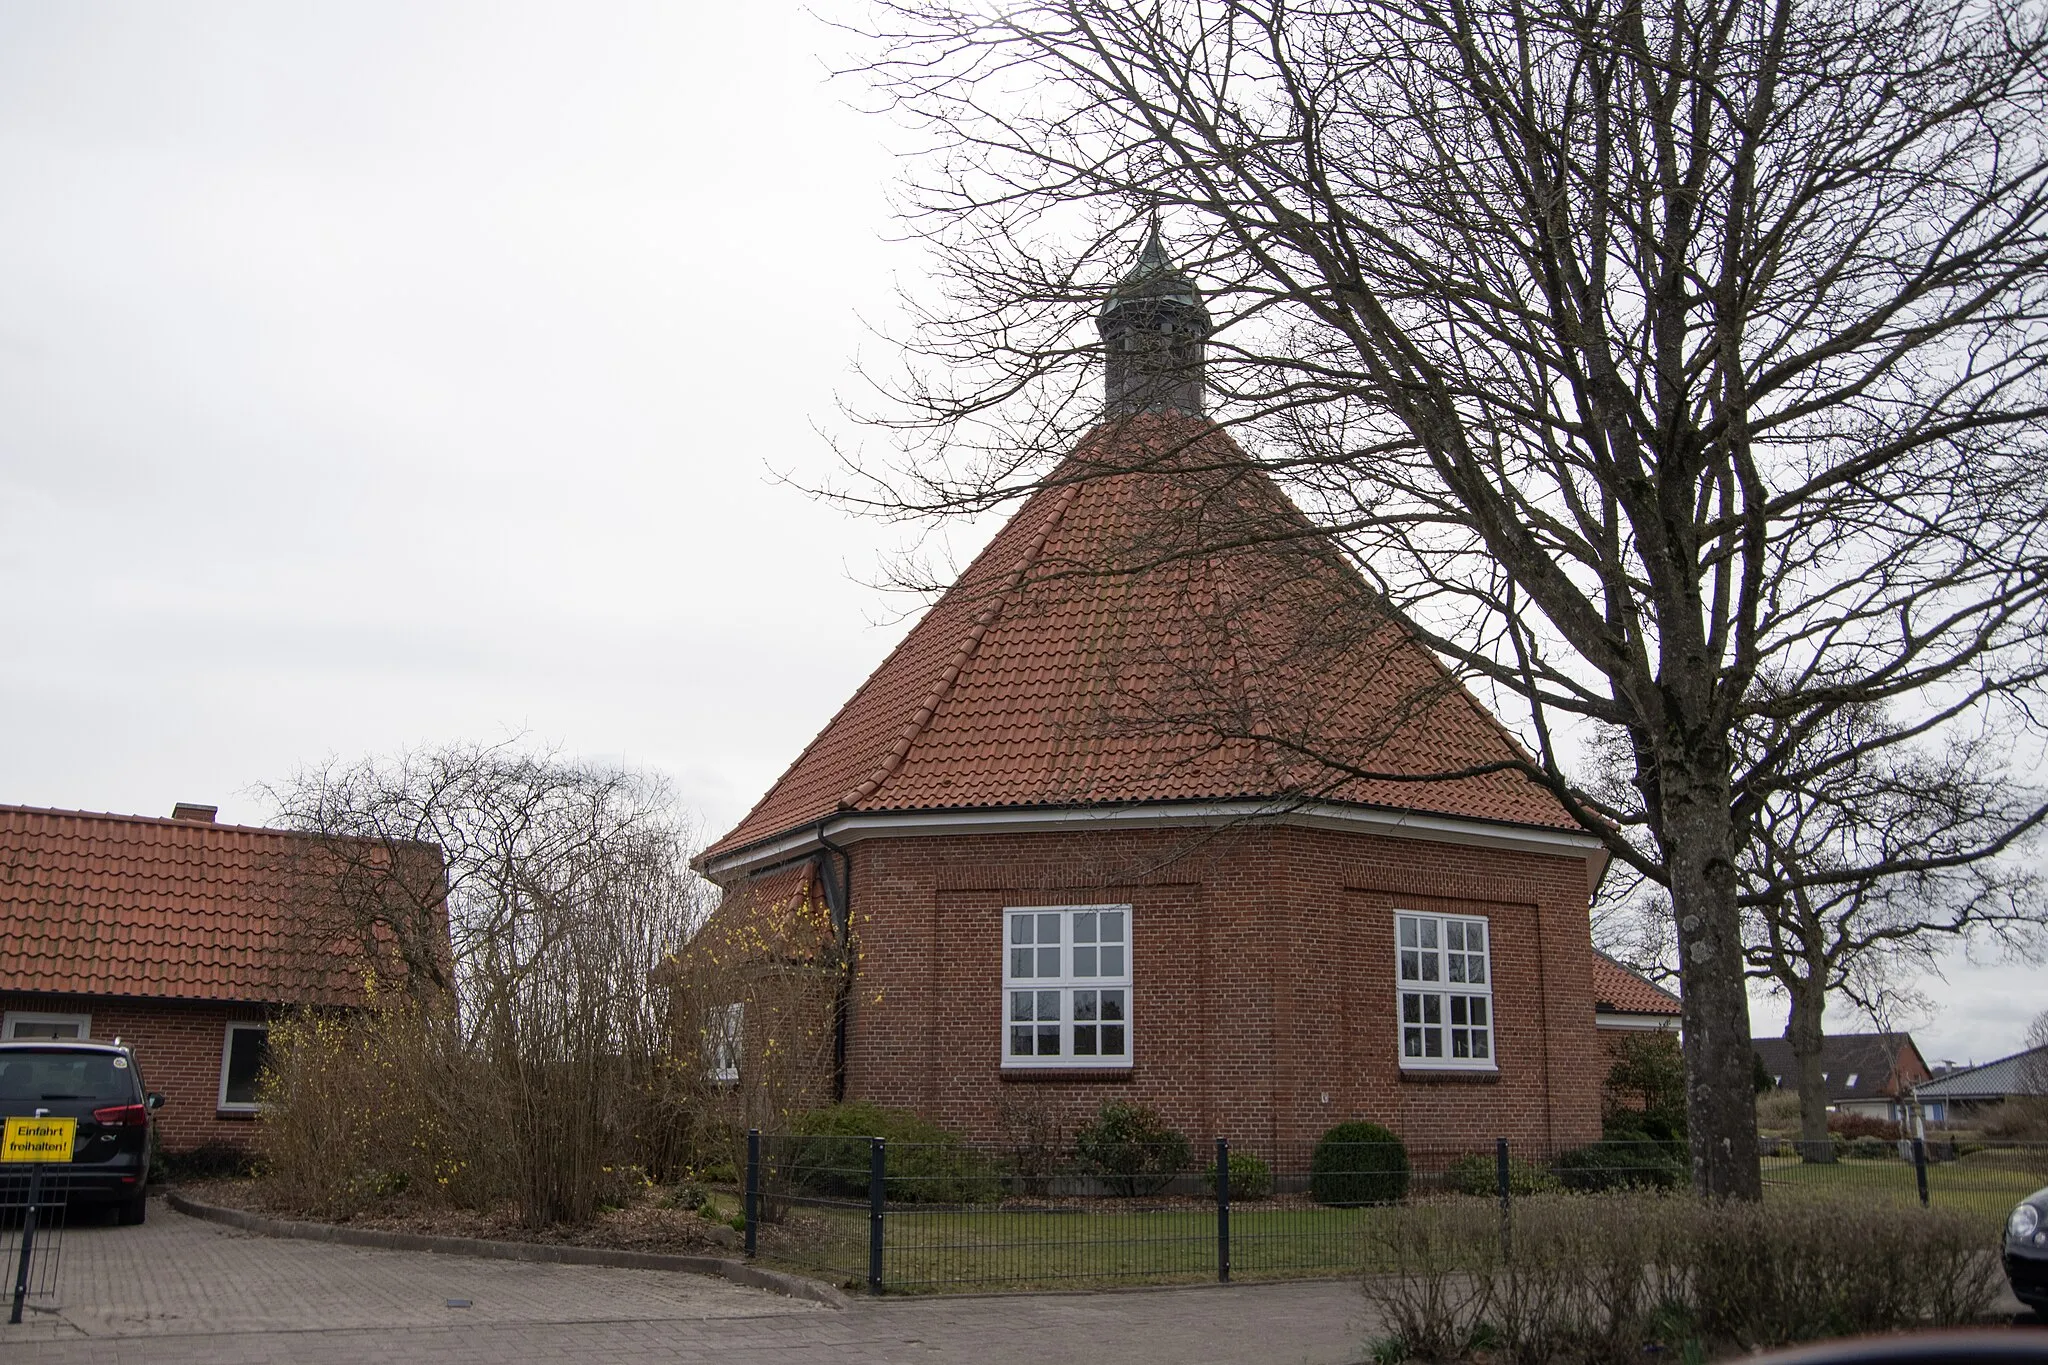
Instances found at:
x=135 y=1210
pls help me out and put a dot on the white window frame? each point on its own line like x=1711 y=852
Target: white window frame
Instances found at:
x=724 y=1029
x=227 y=1052
x=13 y=1017
x=1065 y=983
x=1427 y=981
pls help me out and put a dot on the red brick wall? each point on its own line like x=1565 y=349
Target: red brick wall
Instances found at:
x=1263 y=981
x=178 y=1050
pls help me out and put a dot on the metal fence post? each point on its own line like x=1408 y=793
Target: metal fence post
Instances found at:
x=28 y=1239
x=753 y=1190
x=878 y=1188
x=1223 y=1210
x=1920 y=1167
x=1503 y=1183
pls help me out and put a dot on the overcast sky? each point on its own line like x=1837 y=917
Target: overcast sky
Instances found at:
x=380 y=374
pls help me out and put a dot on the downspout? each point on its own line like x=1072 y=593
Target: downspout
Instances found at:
x=839 y=904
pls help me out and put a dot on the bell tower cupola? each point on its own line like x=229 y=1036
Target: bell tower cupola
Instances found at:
x=1154 y=334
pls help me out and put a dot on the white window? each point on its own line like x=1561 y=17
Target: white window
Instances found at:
x=28 y=1024
x=722 y=1034
x=1067 y=986
x=1852 y=1081
x=242 y=1054
x=1446 y=990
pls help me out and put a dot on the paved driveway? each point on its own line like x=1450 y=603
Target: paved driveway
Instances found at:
x=178 y=1290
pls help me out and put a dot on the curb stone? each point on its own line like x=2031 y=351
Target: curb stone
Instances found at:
x=738 y=1272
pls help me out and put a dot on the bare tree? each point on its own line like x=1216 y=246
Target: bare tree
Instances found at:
x=557 y=887
x=1675 y=371
x=1822 y=923
x=1825 y=921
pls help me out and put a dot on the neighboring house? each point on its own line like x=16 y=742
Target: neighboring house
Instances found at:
x=1872 y=1074
x=1625 y=1002
x=176 y=936
x=1956 y=1096
x=1076 y=838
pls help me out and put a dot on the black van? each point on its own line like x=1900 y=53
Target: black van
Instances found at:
x=99 y=1085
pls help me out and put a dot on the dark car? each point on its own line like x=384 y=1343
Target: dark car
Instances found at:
x=100 y=1085
x=2026 y=1251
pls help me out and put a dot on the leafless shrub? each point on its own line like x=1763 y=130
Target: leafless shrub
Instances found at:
x=1432 y=1275
x=523 y=1034
x=1596 y=1279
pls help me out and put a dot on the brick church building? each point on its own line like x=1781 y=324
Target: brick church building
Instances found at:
x=1157 y=803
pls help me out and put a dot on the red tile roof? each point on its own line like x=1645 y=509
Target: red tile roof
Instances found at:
x=1618 y=990
x=1158 y=623
x=130 y=905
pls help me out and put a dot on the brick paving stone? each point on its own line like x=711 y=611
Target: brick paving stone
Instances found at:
x=178 y=1290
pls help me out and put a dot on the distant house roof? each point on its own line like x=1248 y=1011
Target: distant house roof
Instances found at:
x=1156 y=624
x=1854 y=1066
x=1620 y=990
x=2023 y=1073
x=131 y=905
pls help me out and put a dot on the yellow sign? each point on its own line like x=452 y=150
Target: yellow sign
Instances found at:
x=43 y=1140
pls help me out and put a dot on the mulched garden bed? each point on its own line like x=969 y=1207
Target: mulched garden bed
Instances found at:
x=647 y=1224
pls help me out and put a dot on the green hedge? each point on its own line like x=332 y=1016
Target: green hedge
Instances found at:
x=1131 y=1150
x=1358 y=1163
x=1619 y=1165
x=1480 y=1175
x=1250 y=1177
x=925 y=1163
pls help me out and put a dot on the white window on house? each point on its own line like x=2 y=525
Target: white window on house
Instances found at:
x=29 y=1024
x=723 y=1031
x=1446 y=992
x=1067 y=986
x=1852 y=1080
x=242 y=1055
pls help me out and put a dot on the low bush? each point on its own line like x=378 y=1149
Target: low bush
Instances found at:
x=1606 y=1165
x=1849 y=1127
x=1131 y=1150
x=1358 y=1163
x=1870 y=1149
x=1480 y=1175
x=1601 y=1280
x=924 y=1162
x=1250 y=1177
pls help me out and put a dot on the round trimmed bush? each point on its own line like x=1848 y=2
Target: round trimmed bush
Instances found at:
x=1358 y=1163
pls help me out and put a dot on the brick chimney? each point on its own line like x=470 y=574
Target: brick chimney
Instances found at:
x=188 y=810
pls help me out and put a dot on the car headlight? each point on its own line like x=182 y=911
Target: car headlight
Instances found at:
x=2024 y=1220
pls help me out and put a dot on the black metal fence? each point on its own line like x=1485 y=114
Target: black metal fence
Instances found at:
x=877 y=1216
x=34 y=1207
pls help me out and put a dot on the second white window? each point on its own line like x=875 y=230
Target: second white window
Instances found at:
x=1446 y=992
x=1067 y=986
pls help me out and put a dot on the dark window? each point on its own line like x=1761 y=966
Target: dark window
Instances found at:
x=61 y=1075
x=248 y=1049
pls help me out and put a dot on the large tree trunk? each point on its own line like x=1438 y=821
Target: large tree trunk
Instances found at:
x=1720 y=1102
x=1803 y=1032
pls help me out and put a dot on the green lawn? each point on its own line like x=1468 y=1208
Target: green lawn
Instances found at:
x=1987 y=1183
x=939 y=1249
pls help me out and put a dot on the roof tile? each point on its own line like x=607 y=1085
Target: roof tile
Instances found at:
x=1157 y=623
x=131 y=905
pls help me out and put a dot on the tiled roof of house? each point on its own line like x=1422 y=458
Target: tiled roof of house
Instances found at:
x=1853 y=1065
x=1158 y=623
x=2023 y=1073
x=130 y=905
x=1618 y=990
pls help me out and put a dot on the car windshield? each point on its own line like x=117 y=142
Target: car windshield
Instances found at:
x=65 y=1075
